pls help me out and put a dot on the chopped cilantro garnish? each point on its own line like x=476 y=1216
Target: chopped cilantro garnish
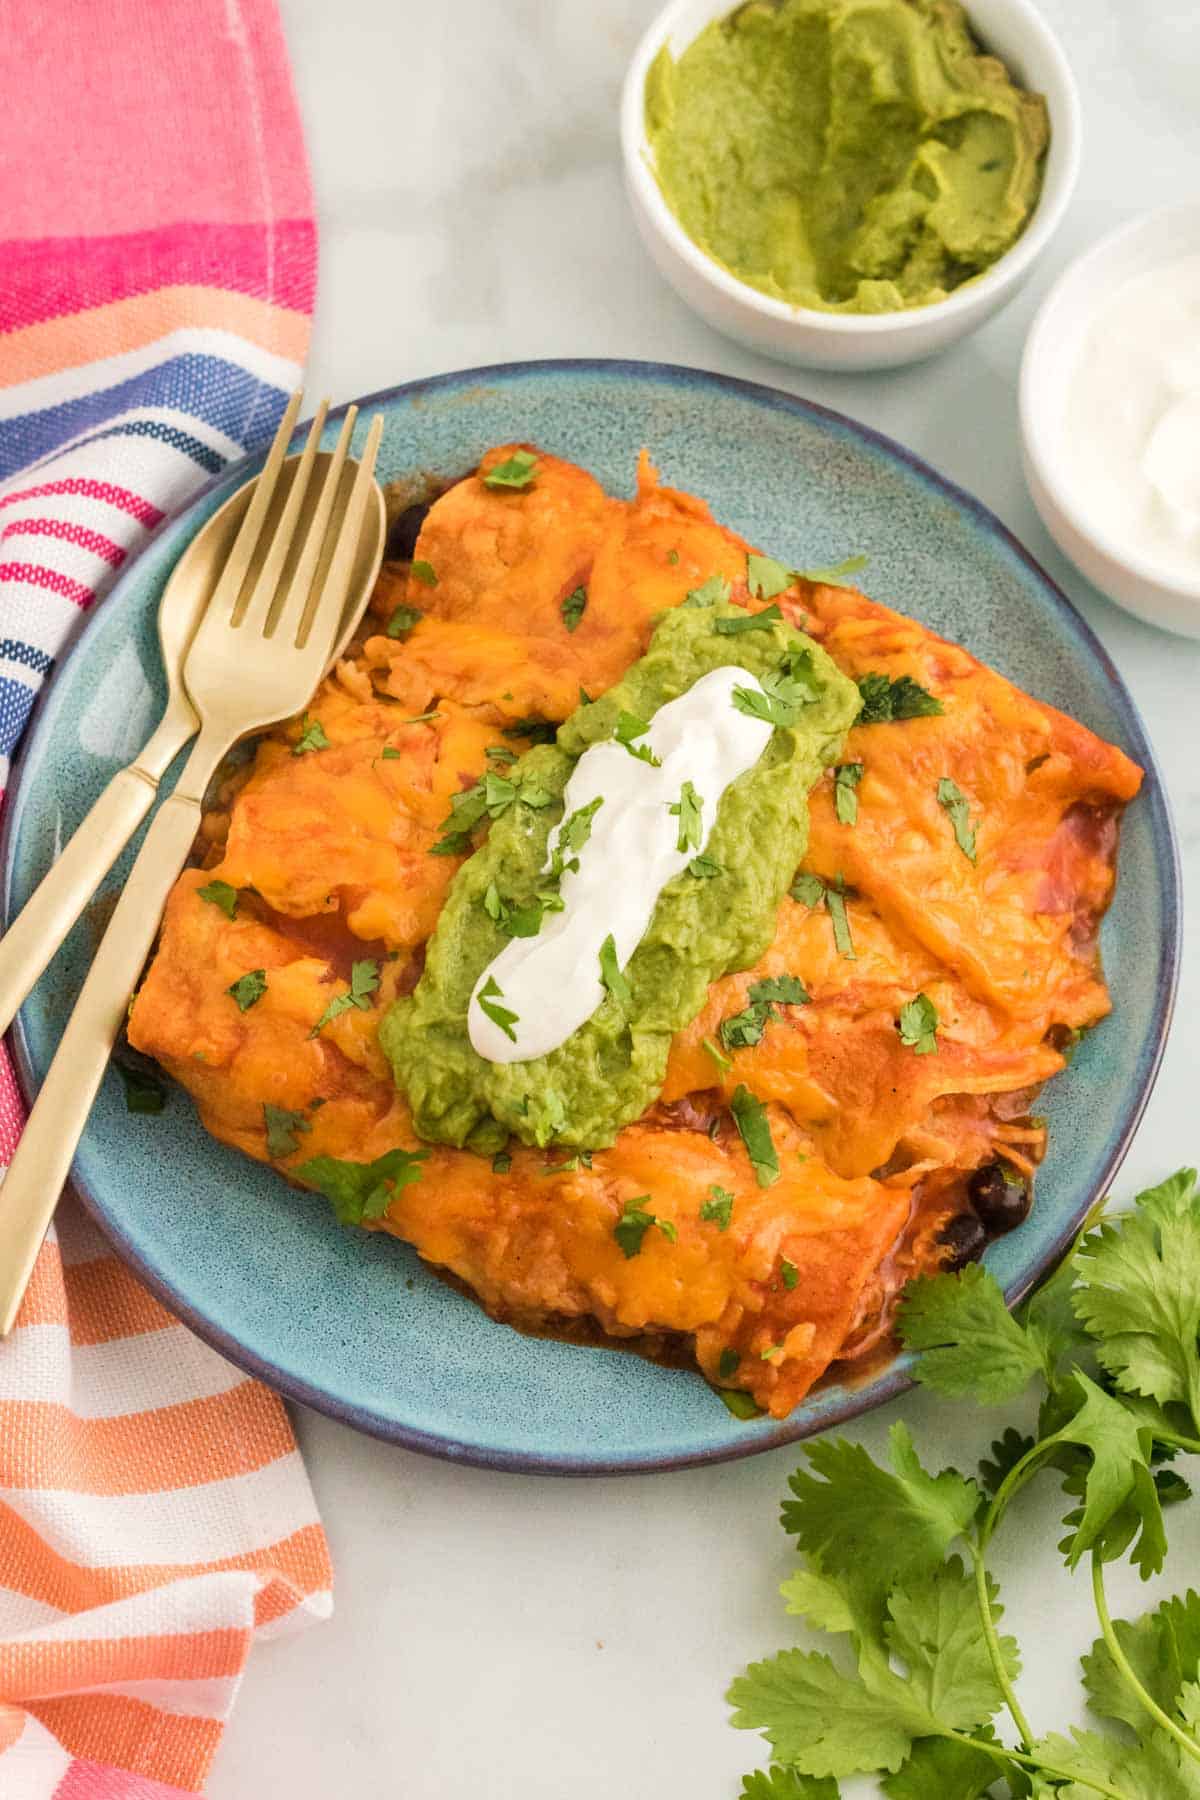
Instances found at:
x=834 y=574
x=573 y=607
x=689 y=810
x=742 y=1406
x=389 y=753
x=918 y=1024
x=846 y=778
x=722 y=1062
x=219 y=893
x=364 y=979
x=420 y=719
x=537 y=731
x=611 y=973
x=713 y=592
x=885 y=700
x=958 y=809
x=672 y=557
x=727 y=1363
x=282 y=1127
x=490 y=998
x=771 y=1352
x=635 y=1222
x=839 y=918
x=704 y=868
x=585 y=699
x=312 y=737
x=765 y=577
x=718 y=1210
x=750 y=1117
x=744 y=1029
x=757 y=621
x=808 y=890
x=424 y=573
x=515 y=472
x=502 y=1162
x=403 y=620
x=500 y=753
x=145 y=1091
x=248 y=988
x=581 y=1159
x=629 y=727
x=513 y=921
x=789 y=1272
x=361 y=1191
x=573 y=834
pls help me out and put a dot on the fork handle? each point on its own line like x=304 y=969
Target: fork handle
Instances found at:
x=63 y=892
x=43 y=1157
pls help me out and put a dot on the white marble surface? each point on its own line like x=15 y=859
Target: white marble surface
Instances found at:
x=523 y=1639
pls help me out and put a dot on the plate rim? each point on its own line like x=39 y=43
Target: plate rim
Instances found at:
x=897 y=1378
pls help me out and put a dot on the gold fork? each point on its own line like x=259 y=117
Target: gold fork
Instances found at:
x=50 y=911
x=259 y=651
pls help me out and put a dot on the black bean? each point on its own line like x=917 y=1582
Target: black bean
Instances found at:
x=405 y=530
x=965 y=1239
x=1001 y=1203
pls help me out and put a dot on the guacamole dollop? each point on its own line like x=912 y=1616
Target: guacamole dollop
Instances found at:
x=849 y=155
x=612 y=1068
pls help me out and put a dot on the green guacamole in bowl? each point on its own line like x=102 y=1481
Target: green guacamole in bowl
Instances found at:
x=858 y=156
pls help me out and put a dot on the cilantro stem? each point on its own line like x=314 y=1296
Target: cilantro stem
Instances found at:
x=1002 y=1753
x=993 y=1647
x=1125 y=1667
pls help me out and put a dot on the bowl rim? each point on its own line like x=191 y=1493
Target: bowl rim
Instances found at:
x=1066 y=134
x=1035 y=425
x=896 y=1378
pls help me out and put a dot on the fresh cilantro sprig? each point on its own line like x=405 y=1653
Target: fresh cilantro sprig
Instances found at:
x=895 y=1558
x=361 y=1191
x=885 y=700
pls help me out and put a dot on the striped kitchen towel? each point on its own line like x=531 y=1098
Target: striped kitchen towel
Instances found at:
x=157 y=257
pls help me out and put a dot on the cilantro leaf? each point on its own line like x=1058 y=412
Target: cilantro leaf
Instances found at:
x=846 y=778
x=248 y=989
x=780 y=990
x=1007 y=1451
x=885 y=700
x=778 y=1783
x=713 y=592
x=689 y=810
x=750 y=1117
x=832 y=575
x=789 y=1273
x=424 y=573
x=312 y=737
x=823 y=1721
x=611 y=973
x=364 y=979
x=633 y=1224
x=971 y=1345
x=918 y=1024
x=704 y=868
x=361 y=1191
x=765 y=577
x=219 y=893
x=718 y=1210
x=936 y=1632
x=574 y=607
x=839 y=918
x=738 y=1402
x=1138 y=1294
x=1116 y=1488
x=629 y=727
x=872 y=1525
x=281 y=1128
x=402 y=621
x=757 y=621
x=957 y=808
x=515 y=472
x=1152 y=1770
x=944 y=1769
x=490 y=997
x=502 y=1162
x=1163 y=1648
x=723 y=1063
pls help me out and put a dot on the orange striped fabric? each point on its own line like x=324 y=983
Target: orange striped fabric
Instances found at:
x=154 y=1517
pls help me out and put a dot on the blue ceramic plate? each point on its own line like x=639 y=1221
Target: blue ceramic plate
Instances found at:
x=352 y=1324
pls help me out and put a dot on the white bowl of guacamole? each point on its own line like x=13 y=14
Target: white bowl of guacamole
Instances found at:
x=848 y=183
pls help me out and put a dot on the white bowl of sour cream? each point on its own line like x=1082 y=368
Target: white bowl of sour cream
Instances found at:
x=1110 y=416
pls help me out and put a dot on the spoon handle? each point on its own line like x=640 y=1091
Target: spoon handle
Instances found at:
x=43 y=1157
x=51 y=910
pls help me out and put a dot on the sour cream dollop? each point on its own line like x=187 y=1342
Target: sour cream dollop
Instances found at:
x=552 y=981
x=1131 y=425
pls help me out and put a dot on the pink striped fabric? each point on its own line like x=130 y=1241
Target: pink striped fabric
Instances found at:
x=154 y=307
